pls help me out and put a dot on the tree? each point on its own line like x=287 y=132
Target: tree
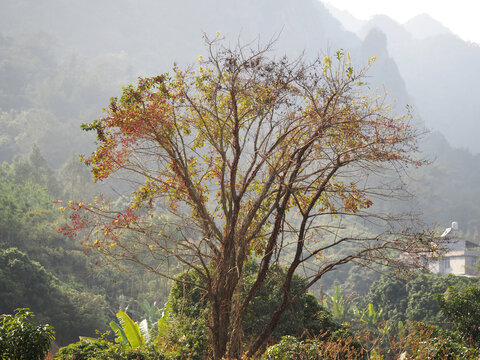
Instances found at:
x=250 y=156
x=460 y=306
x=413 y=299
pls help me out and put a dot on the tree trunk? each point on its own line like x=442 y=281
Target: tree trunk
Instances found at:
x=224 y=286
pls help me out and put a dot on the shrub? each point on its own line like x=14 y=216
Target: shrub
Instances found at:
x=21 y=339
x=462 y=308
x=102 y=349
x=290 y=348
x=430 y=342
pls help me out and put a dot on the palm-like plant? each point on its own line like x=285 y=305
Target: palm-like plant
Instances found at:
x=130 y=334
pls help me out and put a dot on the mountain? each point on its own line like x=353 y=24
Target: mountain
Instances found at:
x=424 y=26
x=384 y=74
x=440 y=72
x=397 y=35
x=348 y=21
x=447 y=189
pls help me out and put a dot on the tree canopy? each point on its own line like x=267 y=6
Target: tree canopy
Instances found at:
x=251 y=156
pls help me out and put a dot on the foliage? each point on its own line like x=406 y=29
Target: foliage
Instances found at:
x=339 y=303
x=345 y=310
x=412 y=298
x=368 y=317
x=101 y=349
x=187 y=333
x=414 y=341
x=21 y=339
x=422 y=341
x=333 y=348
x=130 y=334
x=150 y=312
x=305 y=316
x=24 y=203
x=462 y=308
x=27 y=220
x=185 y=337
x=64 y=289
x=385 y=328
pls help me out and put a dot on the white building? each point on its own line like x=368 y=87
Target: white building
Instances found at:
x=460 y=256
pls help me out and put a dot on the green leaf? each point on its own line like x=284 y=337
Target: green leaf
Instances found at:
x=131 y=330
x=163 y=321
x=120 y=338
x=371 y=311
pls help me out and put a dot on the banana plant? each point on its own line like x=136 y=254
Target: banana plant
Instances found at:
x=151 y=312
x=368 y=316
x=338 y=304
x=130 y=334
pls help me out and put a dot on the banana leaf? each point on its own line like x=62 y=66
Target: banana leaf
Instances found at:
x=131 y=330
x=120 y=337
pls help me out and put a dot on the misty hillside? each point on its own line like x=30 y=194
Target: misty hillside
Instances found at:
x=62 y=61
x=154 y=34
x=440 y=72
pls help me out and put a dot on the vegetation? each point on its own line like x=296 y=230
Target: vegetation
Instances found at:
x=129 y=334
x=42 y=270
x=189 y=311
x=336 y=348
x=102 y=349
x=461 y=307
x=21 y=339
x=413 y=299
x=26 y=283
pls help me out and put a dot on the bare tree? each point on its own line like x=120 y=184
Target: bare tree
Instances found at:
x=252 y=156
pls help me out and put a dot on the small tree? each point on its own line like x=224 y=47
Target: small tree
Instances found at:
x=20 y=339
x=254 y=157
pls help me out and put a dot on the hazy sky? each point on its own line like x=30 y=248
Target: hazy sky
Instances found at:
x=462 y=17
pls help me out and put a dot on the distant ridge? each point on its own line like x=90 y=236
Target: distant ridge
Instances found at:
x=395 y=32
x=348 y=21
x=424 y=26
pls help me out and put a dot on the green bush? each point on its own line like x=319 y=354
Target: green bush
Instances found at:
x=306 y=314
x=335 y=347
x=412 y=299
x=188 y=334
x=186 y=337
x=102 y=349
x=21 y=339
x=462 y=308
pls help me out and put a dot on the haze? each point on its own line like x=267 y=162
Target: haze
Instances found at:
x=459 y=16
